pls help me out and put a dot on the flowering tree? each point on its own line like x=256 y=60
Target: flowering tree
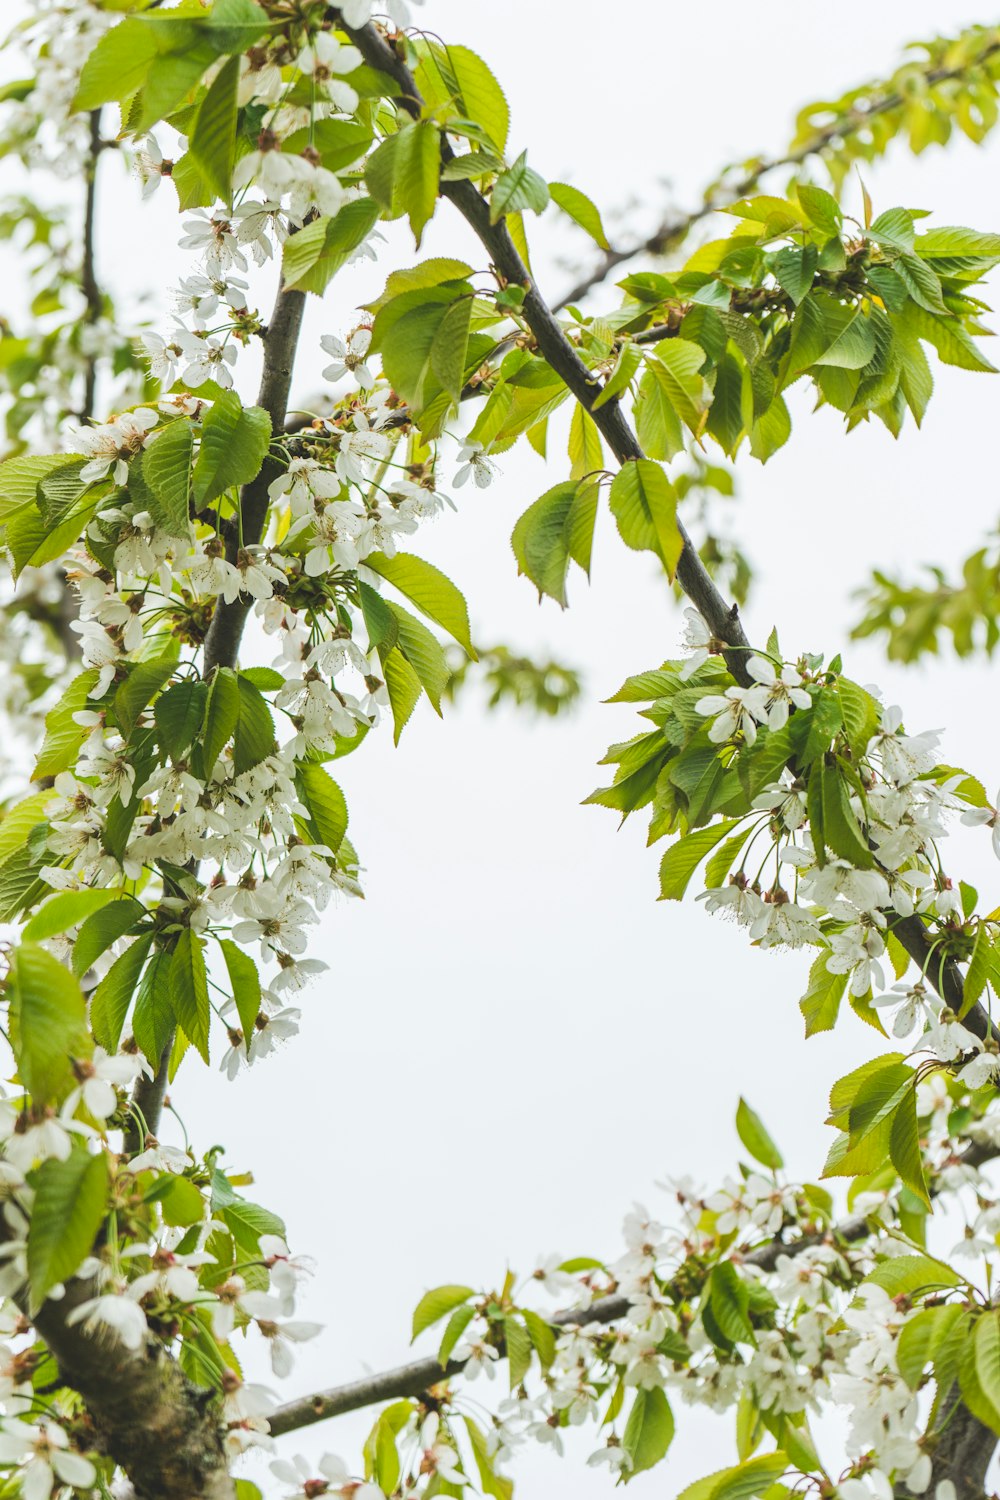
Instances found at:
x=183 y=832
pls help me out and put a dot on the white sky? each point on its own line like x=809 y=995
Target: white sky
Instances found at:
x=514 y=1040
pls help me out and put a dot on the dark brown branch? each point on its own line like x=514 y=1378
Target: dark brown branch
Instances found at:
x=673 y=230
x=89 y=285
x=422 y=1374
x=222 y=643
x=722 y=618
x=164 y=1432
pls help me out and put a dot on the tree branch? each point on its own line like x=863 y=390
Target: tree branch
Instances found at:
x=673 y=230
x=89 y=285
x=420 y=1375
x=722 y=619
x=222 y=643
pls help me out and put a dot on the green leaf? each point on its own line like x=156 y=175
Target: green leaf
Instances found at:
x=820 y=1005
x=117 y=65
x=649 y=1430
x=104 y=927
x=542 y=1335
x=682 y=858
x=212 y=138
x=629 y=360
x=491 y=1483
x=517 y=189
x=987 y=1362
x=540 y=543
x=189 y=989
x=449 y=347
x=644 y=504
x=423 y=651
x=455 y=1327
x=234 y=443
x=110 y=1001
x=402 y=174
x=519 y=1347
x=20 y=477
x=48 y=1023
x=721 y=863
x=313 y=256
x=63 y=736
x=729 y=1298
x=153 y=1018
x=179 y=714
x=841 y=830
x=822 y=721
x=822 y=208
x=244 y=981
x=585 y=452
x=144 y=681
x=253 y=739
x=454 y=75
x=911 y=1275
x=658 y=426
x=70 y=1202
x=326 y=803
x=920 y=1339
x=795 y=268
x=436 y=1304
x=904 y=1148
x=222 y=715
x=430 y=590
x=404 y=689
x=62 y=911
x=751 y=1131
x=677 y=363
x=580 y=209
x=166 y=468
x=859 y=712
x=16 y=824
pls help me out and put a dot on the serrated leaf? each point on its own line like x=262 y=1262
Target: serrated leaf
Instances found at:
x=517 y=189
x=179 y=714
x=62 y=911
x=66 y=1216
x=648 y=1432
x=580 y=209
x=402 y=174
x=222 y=714
x=644 y=505
x=678 y=364
x=153 y=1017
x=48 y=1023
x=144 y=681
x=540 y=544
x=313 y=256
x=166 y=468
x=518 y=1342
x=63 y=736
x=244 y=981
x=253 y=739
x=430 y=590
x=212 y=138
x=820 y=1005
x=110 y=1001
x=189 y=989
x=682 y=858
x=404 y=690
x=436 y=1304
x=234 y=443
x=326 y=803
x=104 y=927
x=455 y=1327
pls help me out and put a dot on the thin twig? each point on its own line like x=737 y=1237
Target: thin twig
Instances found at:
x=672 y=231
x=422 y=1375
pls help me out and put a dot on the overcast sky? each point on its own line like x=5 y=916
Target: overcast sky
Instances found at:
x=514 y=1040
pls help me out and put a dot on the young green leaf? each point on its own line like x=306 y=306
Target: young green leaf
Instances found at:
x=68 y=1211
x=752 y=1133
